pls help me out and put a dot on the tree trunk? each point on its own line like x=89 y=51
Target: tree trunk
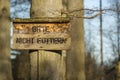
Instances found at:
x=49 y=61
x=5 y=62
x=46 y=65
x=76 y=56
x=118 y=71
x=49 y=8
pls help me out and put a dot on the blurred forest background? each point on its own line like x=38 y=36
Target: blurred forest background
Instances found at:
x=102 y=35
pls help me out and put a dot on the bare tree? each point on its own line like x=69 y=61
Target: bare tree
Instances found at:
x=118 y=27
x=114 y=35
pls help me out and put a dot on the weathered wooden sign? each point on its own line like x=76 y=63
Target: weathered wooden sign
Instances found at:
x=47 y=34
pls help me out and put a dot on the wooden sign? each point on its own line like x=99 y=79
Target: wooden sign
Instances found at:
x=47 y=34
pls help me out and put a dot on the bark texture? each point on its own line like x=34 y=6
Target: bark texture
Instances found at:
x=50 y=61
x=46 y=8
x=5 y=62
x=76 y=56
x=49 y=66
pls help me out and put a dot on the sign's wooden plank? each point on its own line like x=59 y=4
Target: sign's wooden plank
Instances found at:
x=47 y=36
x=46 y=28
x=41 y=41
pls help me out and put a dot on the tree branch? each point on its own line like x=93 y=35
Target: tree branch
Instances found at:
x=72 y=13
x=85 y=17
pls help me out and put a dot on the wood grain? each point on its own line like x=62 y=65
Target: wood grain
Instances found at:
x=47 y=36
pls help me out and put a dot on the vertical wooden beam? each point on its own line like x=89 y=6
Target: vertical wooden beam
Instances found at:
x=41 y=69
x=33 y=67
x=64 y=55
x=38 y=66
x=5 y=61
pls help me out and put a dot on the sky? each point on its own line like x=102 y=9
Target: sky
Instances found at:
x=109 y=23
x=91 y=25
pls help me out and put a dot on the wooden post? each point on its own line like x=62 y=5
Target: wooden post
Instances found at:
x=44 y=62
x=38 y=66
x=64 y=55
x=33 y=67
